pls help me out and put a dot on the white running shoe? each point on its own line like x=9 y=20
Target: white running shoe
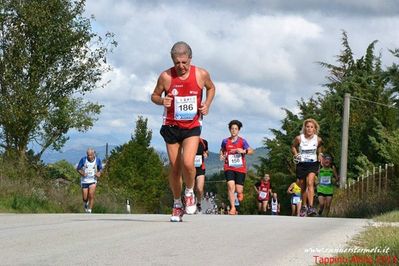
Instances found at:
x=189 y=203
x=177 y=214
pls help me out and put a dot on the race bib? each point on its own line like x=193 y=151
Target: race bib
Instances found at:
x=296 y=199
x=325 y=180
x=262 y=195
x=90 y=172
x=185 y=107
x=235 y=160
x=198 y=160
x=309 y=155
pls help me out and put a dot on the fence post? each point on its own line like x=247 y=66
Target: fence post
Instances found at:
x=361 y=186
x=373 y=181
x=379 y=179
x=355 y=187
x=386 y=177
x=367 y=182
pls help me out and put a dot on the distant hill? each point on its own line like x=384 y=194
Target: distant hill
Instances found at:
x=73 y=155
x=213 y=164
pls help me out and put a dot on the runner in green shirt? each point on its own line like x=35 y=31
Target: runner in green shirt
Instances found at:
x=328 y=177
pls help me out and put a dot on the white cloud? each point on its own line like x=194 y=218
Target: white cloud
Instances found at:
x=125 y=86
x=261 y=55
x=233 y=99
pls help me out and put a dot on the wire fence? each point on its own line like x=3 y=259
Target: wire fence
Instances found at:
x=375 y=182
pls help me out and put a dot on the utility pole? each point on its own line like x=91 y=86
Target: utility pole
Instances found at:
x=344 y=143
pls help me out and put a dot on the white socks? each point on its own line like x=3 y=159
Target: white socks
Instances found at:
x=188 y=191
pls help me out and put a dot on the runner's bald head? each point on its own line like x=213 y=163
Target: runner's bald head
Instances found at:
x=90 y=151
x=181 y=48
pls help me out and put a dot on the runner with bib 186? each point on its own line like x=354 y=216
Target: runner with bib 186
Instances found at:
x=179 y=91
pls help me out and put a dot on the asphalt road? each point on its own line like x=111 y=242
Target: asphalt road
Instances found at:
x=110 y=239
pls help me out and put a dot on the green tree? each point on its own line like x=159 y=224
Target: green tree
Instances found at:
x=49 y=58
x=371 y=119
x=63 y=169
x=366 y=81
x=137 y=171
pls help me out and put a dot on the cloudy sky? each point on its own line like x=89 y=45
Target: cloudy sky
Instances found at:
x=261 y=55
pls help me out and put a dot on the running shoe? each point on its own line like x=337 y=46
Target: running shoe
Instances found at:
x=177 y=214
x=311 y=212
x=189 y=203
x=199 y=208
x=88 y=211
x=233 y=211
x=240 y=196
x=303 y=211
x=86 y=206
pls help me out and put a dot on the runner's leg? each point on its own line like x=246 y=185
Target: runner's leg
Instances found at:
x=190 y=146
x=85 y=192
x=175 y=180
x=199 y=187
x=231 y=187
x=321 y=204
x=328 y=204
x=310 y=188
x=92 y=191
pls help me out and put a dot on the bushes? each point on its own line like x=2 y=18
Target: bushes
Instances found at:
x=49 y=189
x=352 y=206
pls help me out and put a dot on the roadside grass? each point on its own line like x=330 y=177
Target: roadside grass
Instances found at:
x=43 y=195
x=392 y=217
x=377 y=245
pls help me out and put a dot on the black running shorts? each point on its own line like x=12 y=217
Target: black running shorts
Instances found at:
x=303 y=169
x=237 y=177
x=173 y=134
x=199 y=171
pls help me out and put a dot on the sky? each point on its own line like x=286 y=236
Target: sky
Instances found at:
x=261 y=55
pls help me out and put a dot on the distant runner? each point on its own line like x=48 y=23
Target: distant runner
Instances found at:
x=296 y=198
x=275 y=205
x=199 y=162
x=263 y=189
x=89 y=167
x=233 y=151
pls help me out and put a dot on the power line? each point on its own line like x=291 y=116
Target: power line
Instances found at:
x=382 y=104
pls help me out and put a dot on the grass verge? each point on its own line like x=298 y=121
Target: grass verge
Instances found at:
x=377 y=245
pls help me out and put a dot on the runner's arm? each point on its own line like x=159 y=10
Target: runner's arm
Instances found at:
x=156 y=96
x=320 y=149
x=210 y=91
x=294 y=145
x=289 y=190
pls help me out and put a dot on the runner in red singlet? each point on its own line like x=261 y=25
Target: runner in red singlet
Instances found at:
x=233 y=151
x=179 y=90
x=264 y=190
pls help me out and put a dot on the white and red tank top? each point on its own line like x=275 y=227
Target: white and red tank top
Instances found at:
x=264 y=188
x=187 y=97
